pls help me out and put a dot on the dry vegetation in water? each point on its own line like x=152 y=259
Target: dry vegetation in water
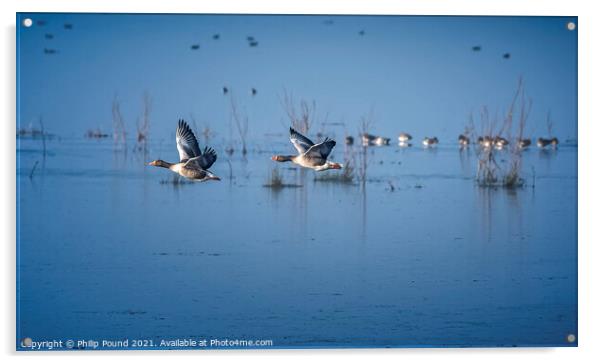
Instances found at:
x=507 y=171
x=119 y=133
x=276 y=181
x=241 y=121
x=143 y=127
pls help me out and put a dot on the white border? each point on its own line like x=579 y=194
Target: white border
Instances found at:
x=590 y=118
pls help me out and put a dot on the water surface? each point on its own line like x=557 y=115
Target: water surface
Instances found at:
x=107 y=251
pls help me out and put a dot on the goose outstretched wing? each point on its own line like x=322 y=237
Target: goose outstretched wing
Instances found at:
x=205 y=160
x=321 y=150
x=188 y=146
x=301 y=142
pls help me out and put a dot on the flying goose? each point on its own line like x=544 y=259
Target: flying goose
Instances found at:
x=463 y=140
x=193 y=164
x=311 y=155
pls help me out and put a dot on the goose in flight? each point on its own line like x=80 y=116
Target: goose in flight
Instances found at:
x=193 y=164
x=311 y=155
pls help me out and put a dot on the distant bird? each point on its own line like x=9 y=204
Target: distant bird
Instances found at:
x=253 y=91
x=430 y=142
x=361 y=33
x=506 y=56
x=500 y=142
x=225 y=90
x=476 y=48
x=543 y=142
x=369 y=139
x=349 y=140
x=485 y=142
x=463 y=140
x=193 y=164
x=194 y=47
x=68 y=26
x=310 y=155
x=524 y=143
x=216 y=36
x=404 y=137
x=50 y=51
x=41 y=22
x=250 y=38
x=253 y=44
x=48 y=36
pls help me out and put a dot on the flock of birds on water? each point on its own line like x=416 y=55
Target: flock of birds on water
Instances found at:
x=486 y=142
x=194 y=164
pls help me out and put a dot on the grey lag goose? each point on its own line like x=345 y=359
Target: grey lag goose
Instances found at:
x=463 y=140
x=430 y=142
x=542 y=142
x=310 y=155
x=193 y=164
x=404 y=138
x=369 y=139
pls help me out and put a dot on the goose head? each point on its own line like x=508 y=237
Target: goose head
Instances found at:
x=160 y=163
x=282 y=158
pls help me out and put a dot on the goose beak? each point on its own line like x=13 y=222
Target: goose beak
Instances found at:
x=336 y=166
x=275 y=158
x=215 y=178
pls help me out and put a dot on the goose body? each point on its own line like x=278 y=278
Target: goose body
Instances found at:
x=485 y=142
x=310 y=155
x=369 y=139
x=500 y=143
x=524 y=143
x=193 y=164
x=404 y=137
x=463 y=140
x=430 y=142
x=542 y=142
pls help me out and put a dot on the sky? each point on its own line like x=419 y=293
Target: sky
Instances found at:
x=415 y=74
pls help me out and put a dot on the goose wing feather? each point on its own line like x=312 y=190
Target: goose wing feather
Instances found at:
x=300 y=142
x=205 y=160
x=321 y=150
x=186 y=142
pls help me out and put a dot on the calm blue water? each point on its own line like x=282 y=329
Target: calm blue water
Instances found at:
x=107 y=251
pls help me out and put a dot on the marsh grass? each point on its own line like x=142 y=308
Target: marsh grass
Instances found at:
x=241 y=120
x=301 y=117
x=119 y=133
x=143 y=123
x=276 y=181
x=366 y=123
x=505 y=173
